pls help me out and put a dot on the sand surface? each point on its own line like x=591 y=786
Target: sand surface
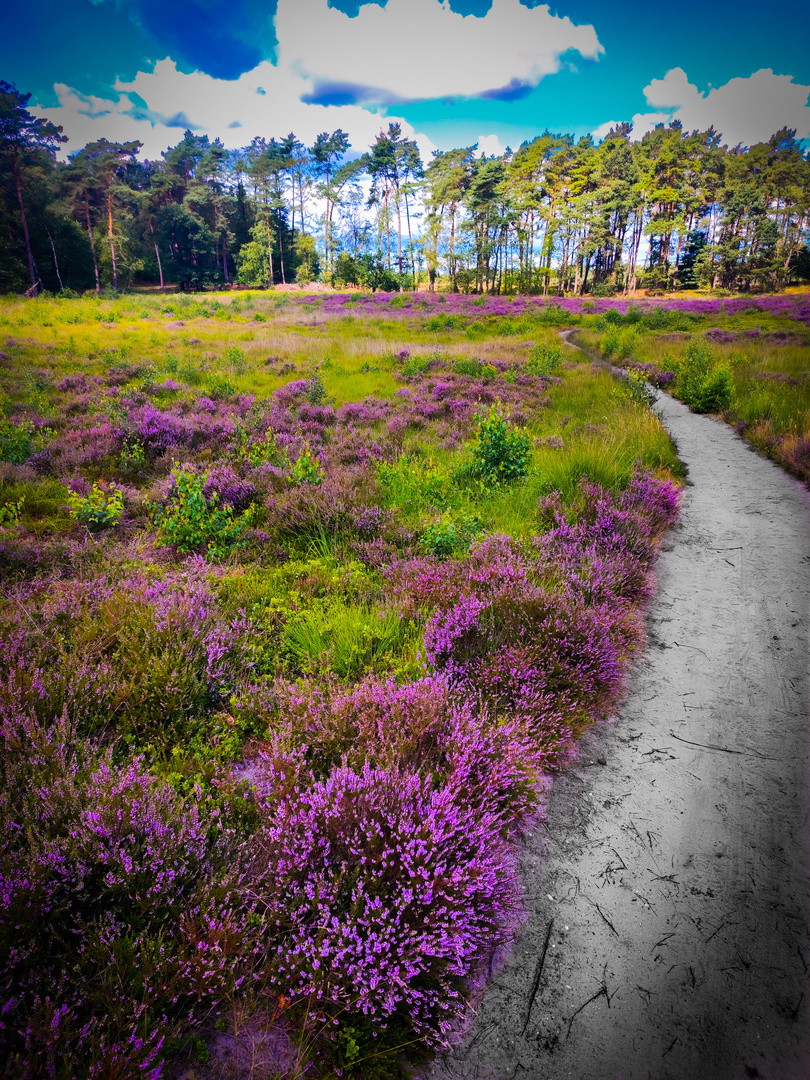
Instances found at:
x=668 y=888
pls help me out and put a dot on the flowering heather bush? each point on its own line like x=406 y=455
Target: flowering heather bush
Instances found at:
x=381 y=893
x=110 y=940
x=140 y=659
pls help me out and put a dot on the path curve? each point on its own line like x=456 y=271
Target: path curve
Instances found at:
x=668 y=888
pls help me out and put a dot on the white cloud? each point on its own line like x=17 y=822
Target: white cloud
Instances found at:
x=420 y=49
x=745 y=111
x=489 y=145
x=334 y=71
x=265 y=101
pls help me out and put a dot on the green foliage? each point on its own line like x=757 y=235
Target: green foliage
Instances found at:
x=220 y=387
x=253 y=260
x=717 y=392
x=702 y=384
x=190 y=520
x=10 y=512
x=307 y=469
x=545 y=359
x=263 y=451
x=450 y=535
x=620 y=343
x=236 y=357
x=502 y=452
x=345 y=638
x=18 y=441
x=133 y=457
x=414 y=482
x=639 y=389
x=100 y=509
x=316 y=391
x=415 y=365
x=468 y=365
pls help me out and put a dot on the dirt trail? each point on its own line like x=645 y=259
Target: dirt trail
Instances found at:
x=668 y=889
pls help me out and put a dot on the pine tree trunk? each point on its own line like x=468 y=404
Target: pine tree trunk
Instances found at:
x=410 y=243
x=281 y=254
x=92 y=241
x=29 y=253
x=452 y=252
x=111 y=239
x=55 y=262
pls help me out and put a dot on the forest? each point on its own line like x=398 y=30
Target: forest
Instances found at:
x=561 y=215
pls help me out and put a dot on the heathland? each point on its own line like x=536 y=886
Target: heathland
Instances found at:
x=305 y=600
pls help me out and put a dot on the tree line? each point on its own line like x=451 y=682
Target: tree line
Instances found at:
x=559 y=215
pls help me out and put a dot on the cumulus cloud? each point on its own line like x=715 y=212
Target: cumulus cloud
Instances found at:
x=489 y=145
x=156 y=106
x=331 y=71
x=414 y=50
x=745 y=110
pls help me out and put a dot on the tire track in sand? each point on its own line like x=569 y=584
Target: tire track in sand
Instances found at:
x=668 y=934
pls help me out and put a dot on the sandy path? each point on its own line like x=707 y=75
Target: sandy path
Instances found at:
x=668 y=889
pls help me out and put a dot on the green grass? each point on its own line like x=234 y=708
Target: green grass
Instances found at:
x=770 y=403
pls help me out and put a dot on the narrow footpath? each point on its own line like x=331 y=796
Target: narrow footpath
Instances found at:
x=668 y=887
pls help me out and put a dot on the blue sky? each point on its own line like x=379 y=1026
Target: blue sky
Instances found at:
x=494 y=72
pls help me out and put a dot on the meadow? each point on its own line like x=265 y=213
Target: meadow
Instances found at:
x=748 y=365
x=305 y=599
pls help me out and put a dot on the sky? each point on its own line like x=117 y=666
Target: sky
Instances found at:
x=453 y=72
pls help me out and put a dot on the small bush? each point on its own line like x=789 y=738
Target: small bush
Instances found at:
x=19 y=441
x=702 y=384
x=468 y=365
x=192 y=520
x=717 y=391
x=98 y=510
x=449 y=536
x=503 y=451
x=545 y=359
x=307 y=469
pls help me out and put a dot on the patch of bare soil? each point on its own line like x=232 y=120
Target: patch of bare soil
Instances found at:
x=668 y=888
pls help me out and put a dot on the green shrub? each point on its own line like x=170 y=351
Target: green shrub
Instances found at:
x=545 y=359
x=450 y=536
x=639 y=389
x=264 y=451
x=221 y=387
x=98 y=510
x=502 y=452
x=415 y=365
x=717 y=391
x=703 y=384
x=468 y=365
x=236 y=357
x=307 y=469
x=19 y=441
x=10 y=512
x=192 y=520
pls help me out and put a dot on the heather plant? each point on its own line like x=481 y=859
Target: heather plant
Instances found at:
x=111 y=941
x=101 y=508
x=389 y=892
